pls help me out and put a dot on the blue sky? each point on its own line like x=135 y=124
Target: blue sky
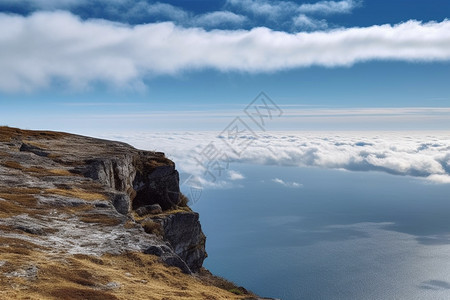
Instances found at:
x=110 y=65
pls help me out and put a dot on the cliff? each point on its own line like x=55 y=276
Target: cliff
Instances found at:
x=83 y=218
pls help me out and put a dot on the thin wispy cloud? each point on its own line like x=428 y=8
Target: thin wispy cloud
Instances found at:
x=219 y=18
x=235 y=175
x=303 y=21
x=47 y=46
x=161 y=10
x=278 y=15
x=282 y=8
x=271 y=9
x=289 y=184
x=330 y=7
x=298 y=16
x=130 y=12
x=47 y=4
x=155 y=12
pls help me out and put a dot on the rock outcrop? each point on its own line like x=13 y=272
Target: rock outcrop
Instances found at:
x=184 y=232
x=145 y=177
x=107 y=182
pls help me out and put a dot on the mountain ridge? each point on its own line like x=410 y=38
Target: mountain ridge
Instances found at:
x=84 y=218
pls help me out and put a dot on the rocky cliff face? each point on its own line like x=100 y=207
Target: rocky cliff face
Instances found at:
x=110 y=181
x=184 y=232
x=83 y=218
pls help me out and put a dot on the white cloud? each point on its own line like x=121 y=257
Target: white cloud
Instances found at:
x=279 y=9
x=305 y=22
x=265 y=8
x=219 y=18
x=45 y=4
x=133 y=12
x=159 y=9
x=235 y=175
x=287 y=184
x=48 y=46
x=419 y=154
x=329 y=7
x=439 y=178
x=280 y=14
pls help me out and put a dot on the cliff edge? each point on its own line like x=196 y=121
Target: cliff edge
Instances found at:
x=83 y=218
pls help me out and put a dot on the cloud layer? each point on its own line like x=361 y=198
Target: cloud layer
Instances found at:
x=234 y=13
x=280 y=9
x=48 y=47
x=418 y=154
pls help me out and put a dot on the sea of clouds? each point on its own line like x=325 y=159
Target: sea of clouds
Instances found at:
x=419 y=154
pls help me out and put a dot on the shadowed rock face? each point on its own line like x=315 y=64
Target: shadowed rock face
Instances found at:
x=78 y=195
x=161 y=187
x=184 y=231
x=146 y=177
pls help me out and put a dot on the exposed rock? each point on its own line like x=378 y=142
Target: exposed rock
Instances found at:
x=174 y=260
x=154 y=250
x=149 y=209
x=33 y=149
x=112 y=286
x=28 y=272
x=101 y=181
x=121 y=201
x=184 y=233
x=161 y=186
x=25 y=224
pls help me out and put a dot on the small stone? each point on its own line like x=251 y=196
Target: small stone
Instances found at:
x=30 y=272
x=154 y=250
x=112 y=285
x=121 y=202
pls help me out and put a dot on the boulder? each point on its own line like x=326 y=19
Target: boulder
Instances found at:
x=149 y=210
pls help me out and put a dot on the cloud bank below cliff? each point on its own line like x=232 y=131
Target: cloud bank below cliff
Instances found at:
x=417 y=154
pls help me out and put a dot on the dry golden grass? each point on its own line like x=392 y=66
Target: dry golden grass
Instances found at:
x=183 y=200
x=100 y=219
x=36 y=144
x=49 y=172
x=137 y=276
x=77 y=193
x=16 y=204
x=35 y=170
x=61 y=172
x=176 y=210
x=152 y=227
x=7 y=133
x=146 y=167
x=76 y=210
x=15 y=246
x=12 y=165
x=17 y=201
